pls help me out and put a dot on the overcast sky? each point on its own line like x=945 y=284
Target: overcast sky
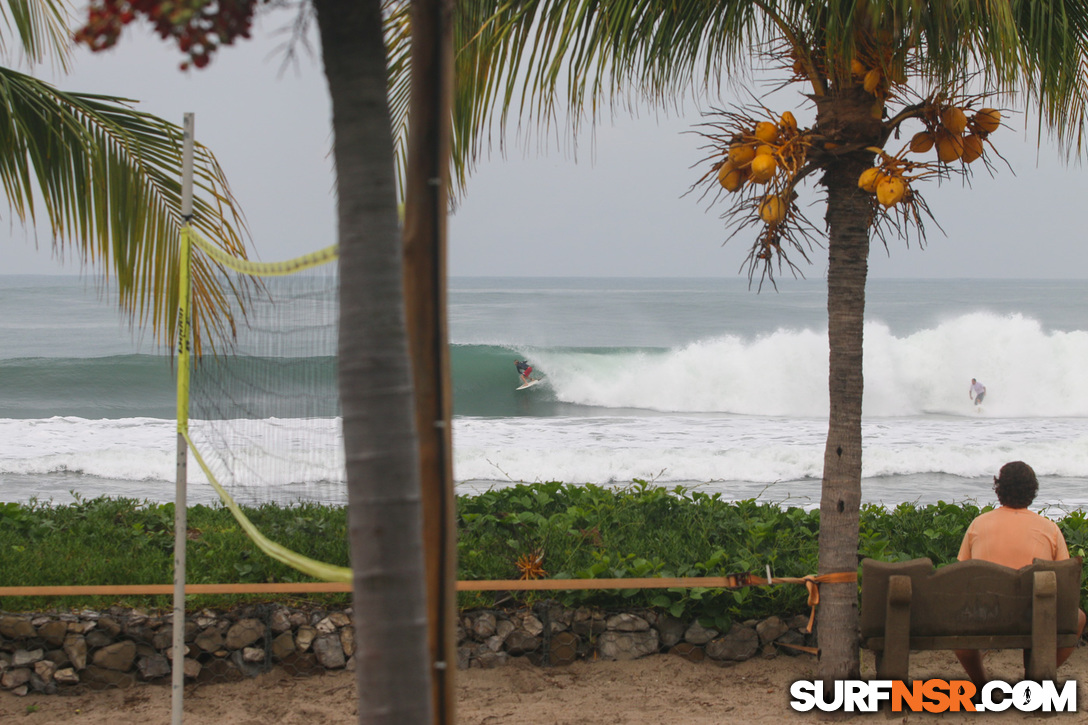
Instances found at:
x=618 y=209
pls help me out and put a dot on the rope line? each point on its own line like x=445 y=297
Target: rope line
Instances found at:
x=266 y=269
x=306 y=565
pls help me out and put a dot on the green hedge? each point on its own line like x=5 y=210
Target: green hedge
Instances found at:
x=580 y=531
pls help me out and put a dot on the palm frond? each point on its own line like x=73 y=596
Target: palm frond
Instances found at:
x=108 y=180
x=41 y=28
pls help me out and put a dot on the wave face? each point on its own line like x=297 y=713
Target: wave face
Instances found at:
x=1029 y=373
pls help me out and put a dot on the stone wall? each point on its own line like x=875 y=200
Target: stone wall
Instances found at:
x=51 y=652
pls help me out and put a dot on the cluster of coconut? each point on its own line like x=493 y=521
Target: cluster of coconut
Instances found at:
x=950 y=131
x=955 y=135
x=758 y=156
x=889 y=181
x=875 y=79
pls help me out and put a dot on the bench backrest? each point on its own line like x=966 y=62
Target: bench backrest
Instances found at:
x=968 y=597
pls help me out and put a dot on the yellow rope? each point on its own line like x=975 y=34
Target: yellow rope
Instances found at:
x=304 y=564
x=267 y=269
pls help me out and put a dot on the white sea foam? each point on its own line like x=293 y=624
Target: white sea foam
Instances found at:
x=1029 y=372
x=754 y=449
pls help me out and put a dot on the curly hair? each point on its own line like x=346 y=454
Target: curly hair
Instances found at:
x=1016 y=485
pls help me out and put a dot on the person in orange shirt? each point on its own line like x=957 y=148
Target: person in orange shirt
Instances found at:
x=1012 y=536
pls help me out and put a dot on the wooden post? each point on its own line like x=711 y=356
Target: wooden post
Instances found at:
x=181 y=525
x=426 y=203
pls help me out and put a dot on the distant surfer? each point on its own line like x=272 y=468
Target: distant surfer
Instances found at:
x=524 y=369
x=977 y=391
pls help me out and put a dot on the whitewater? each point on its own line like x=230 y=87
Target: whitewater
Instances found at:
x=696 y=383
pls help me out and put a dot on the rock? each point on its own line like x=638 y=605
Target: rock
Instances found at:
x=252 y=655
x=484 y=626
x=328 y=651
x=152 y=667
x=304 y=637
x=97 y=638
x=278 y=622
x=627 y=645
x=244 y=632
x=464 y=655
x=53 y=633
x=282 y=646
x=209 y=640
x=16 y=628
x=45 y=670
x=771 y=629
x=325 y=626
x=100 y=678
x=302 y=664
x=626 y=622
x=297 y=619
x=347 y=640
x=340 y=619
x=75 y=646
x=587 y=623
x=192 y=668
x=740 y=644
x=222 y=670
x=670 y=630
x=490 y=660
x=687 y=650
x=792 y=637
x=520 y=642
x=118 y=656
x=494 y=643
x=15 y=678
x=563 y=648
x=698 y=634
x=532 y=625
x=22 y=657
x=798 y=621
x=109 y=625
x=503 y=628
x=66 y=676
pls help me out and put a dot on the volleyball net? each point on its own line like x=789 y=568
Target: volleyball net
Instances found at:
x=261 y=412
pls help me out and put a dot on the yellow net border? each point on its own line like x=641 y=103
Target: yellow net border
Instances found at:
x=266 y=269
x=311 y=567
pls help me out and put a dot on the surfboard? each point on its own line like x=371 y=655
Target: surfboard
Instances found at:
x=529 y=384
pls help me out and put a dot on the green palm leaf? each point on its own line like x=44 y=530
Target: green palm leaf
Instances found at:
x=106 y=179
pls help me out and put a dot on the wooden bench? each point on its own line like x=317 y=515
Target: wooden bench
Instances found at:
x=969 y=605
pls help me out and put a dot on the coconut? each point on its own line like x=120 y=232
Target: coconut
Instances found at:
x=741 y=154
x=857 y=68
x=730 y=177
x=972 y=148
x=869 y=179
x=773 y=210
x=891 y=190
x=788 y=122
x=987 y=120
x=949 y=147
x=763 y=168
x=872 y=80
x=954 y=120
x=922 y=142
x=766 y=132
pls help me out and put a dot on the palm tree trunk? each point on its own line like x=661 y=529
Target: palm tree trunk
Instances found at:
x=381 y=446
x=847 y=116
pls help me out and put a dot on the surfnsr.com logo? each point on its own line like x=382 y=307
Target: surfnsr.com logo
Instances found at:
x=933 y=696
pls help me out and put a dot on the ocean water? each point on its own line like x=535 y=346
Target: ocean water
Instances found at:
x=684 y=382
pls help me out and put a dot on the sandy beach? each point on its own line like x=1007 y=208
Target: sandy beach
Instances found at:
x=657 y=689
